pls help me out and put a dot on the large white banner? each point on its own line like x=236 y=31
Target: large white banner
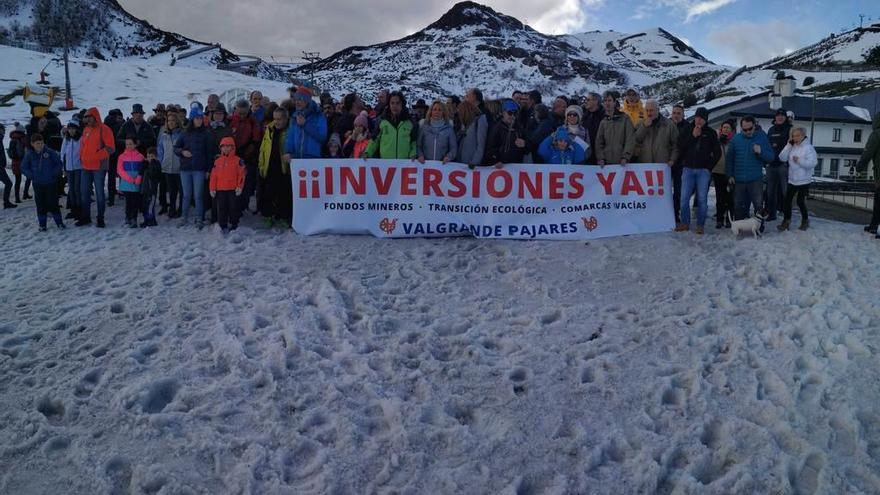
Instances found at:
x=402 y=198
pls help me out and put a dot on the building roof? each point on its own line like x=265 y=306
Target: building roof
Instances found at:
x=830 y=150
x=827 y=110
x=869 y=100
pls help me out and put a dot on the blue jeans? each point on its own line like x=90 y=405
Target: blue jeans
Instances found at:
x=747 y=194
x=695 y=179
x=193 y=183
x=94 y=178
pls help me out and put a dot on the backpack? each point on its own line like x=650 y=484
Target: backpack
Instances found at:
x=16 y=149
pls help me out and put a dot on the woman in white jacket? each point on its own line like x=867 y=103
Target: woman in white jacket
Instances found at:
x=802 y=160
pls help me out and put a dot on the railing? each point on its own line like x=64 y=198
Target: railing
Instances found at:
x=857 y=193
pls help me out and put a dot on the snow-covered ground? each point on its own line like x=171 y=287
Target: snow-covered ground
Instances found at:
x=176 y=361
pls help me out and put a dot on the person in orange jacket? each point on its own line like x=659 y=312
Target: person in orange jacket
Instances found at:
x=226 y=184
x=97 y=144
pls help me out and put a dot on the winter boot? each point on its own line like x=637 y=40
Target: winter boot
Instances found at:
x=682 y=227
x=871 y=229
x=784 y=225
x=805 y=224
x=9 y=205
x=100 y=223
x=58 y=222
x=86 y=220
x=699 y=230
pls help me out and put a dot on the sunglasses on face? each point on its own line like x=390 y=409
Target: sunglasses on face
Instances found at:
x=572 y=115
x=750 y=129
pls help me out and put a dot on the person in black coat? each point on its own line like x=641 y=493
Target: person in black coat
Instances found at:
x=593 y=115
x=114 y=121
x=700 y=152
x=684 y=128
x=777 y=170
x=507 y=139
x=137 y=126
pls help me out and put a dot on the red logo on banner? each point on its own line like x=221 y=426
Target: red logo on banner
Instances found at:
x=388 y=226
x=591 y=223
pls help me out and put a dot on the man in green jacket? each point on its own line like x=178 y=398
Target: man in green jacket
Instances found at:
x=656 y=137
x=615 y=140
x=397 y=132
x=872 y=153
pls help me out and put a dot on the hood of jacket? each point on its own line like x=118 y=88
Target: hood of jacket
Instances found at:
x=228 y=141
x=93 y=112
x=310 y=109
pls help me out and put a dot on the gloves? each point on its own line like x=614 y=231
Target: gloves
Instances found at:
x=238 y=191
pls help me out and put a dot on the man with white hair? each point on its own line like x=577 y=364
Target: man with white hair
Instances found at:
x=656 y=137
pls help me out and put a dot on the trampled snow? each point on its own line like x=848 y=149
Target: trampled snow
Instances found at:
x=171 y=360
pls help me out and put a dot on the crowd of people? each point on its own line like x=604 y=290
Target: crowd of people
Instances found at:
x=202 y=163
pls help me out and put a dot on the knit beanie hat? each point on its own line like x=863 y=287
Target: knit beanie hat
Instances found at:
x=303 y=93
x=362 y=120
x=575 y=109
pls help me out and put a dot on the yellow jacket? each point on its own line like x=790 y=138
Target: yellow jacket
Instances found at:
x=266 y=149
x=635 y=112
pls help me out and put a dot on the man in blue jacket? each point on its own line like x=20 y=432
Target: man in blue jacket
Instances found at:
x=308 y=128
x=747 y=154
x=43 y=166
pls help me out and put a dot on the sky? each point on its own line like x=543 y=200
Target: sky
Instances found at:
x=731 y=32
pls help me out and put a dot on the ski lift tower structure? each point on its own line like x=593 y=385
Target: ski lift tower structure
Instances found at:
x=311 y=58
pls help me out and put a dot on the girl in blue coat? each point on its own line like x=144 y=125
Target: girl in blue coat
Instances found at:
x=43 y=166
x=561 y=149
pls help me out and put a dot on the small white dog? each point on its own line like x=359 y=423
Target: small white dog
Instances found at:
x=755 y=225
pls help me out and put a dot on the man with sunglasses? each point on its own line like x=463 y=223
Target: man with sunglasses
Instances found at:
x=747 y=154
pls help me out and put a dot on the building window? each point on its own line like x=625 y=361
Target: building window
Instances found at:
x=835 y=167
x=817 y=172
x=850 y=167
x=836 y=137
x=857 y=135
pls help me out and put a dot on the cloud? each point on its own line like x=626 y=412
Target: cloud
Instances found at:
x=689 y=8
x=705 y=7
x=750 y=43
x=287 y=27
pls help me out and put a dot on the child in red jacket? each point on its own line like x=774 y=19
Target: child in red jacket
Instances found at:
x=226 y=184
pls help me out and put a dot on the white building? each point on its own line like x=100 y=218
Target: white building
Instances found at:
x=838 y=129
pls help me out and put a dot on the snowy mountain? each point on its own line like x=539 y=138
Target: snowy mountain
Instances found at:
x=473 y=45
x=647 y=57
x=852 y=48
x=117 y=83
x=112 y=34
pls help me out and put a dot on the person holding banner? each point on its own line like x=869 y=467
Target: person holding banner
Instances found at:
x=436 y=139
x=397 y=134
x=656 y=137
x=308 y=128
x=562 y=148
x=472 y=134
x=615 y=139
x=507 y=141
x=356 y=144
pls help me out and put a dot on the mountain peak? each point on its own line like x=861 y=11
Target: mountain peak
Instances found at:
x=465 y=14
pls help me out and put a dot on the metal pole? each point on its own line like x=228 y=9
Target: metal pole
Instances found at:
x=69 y=97
x=813 y=121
